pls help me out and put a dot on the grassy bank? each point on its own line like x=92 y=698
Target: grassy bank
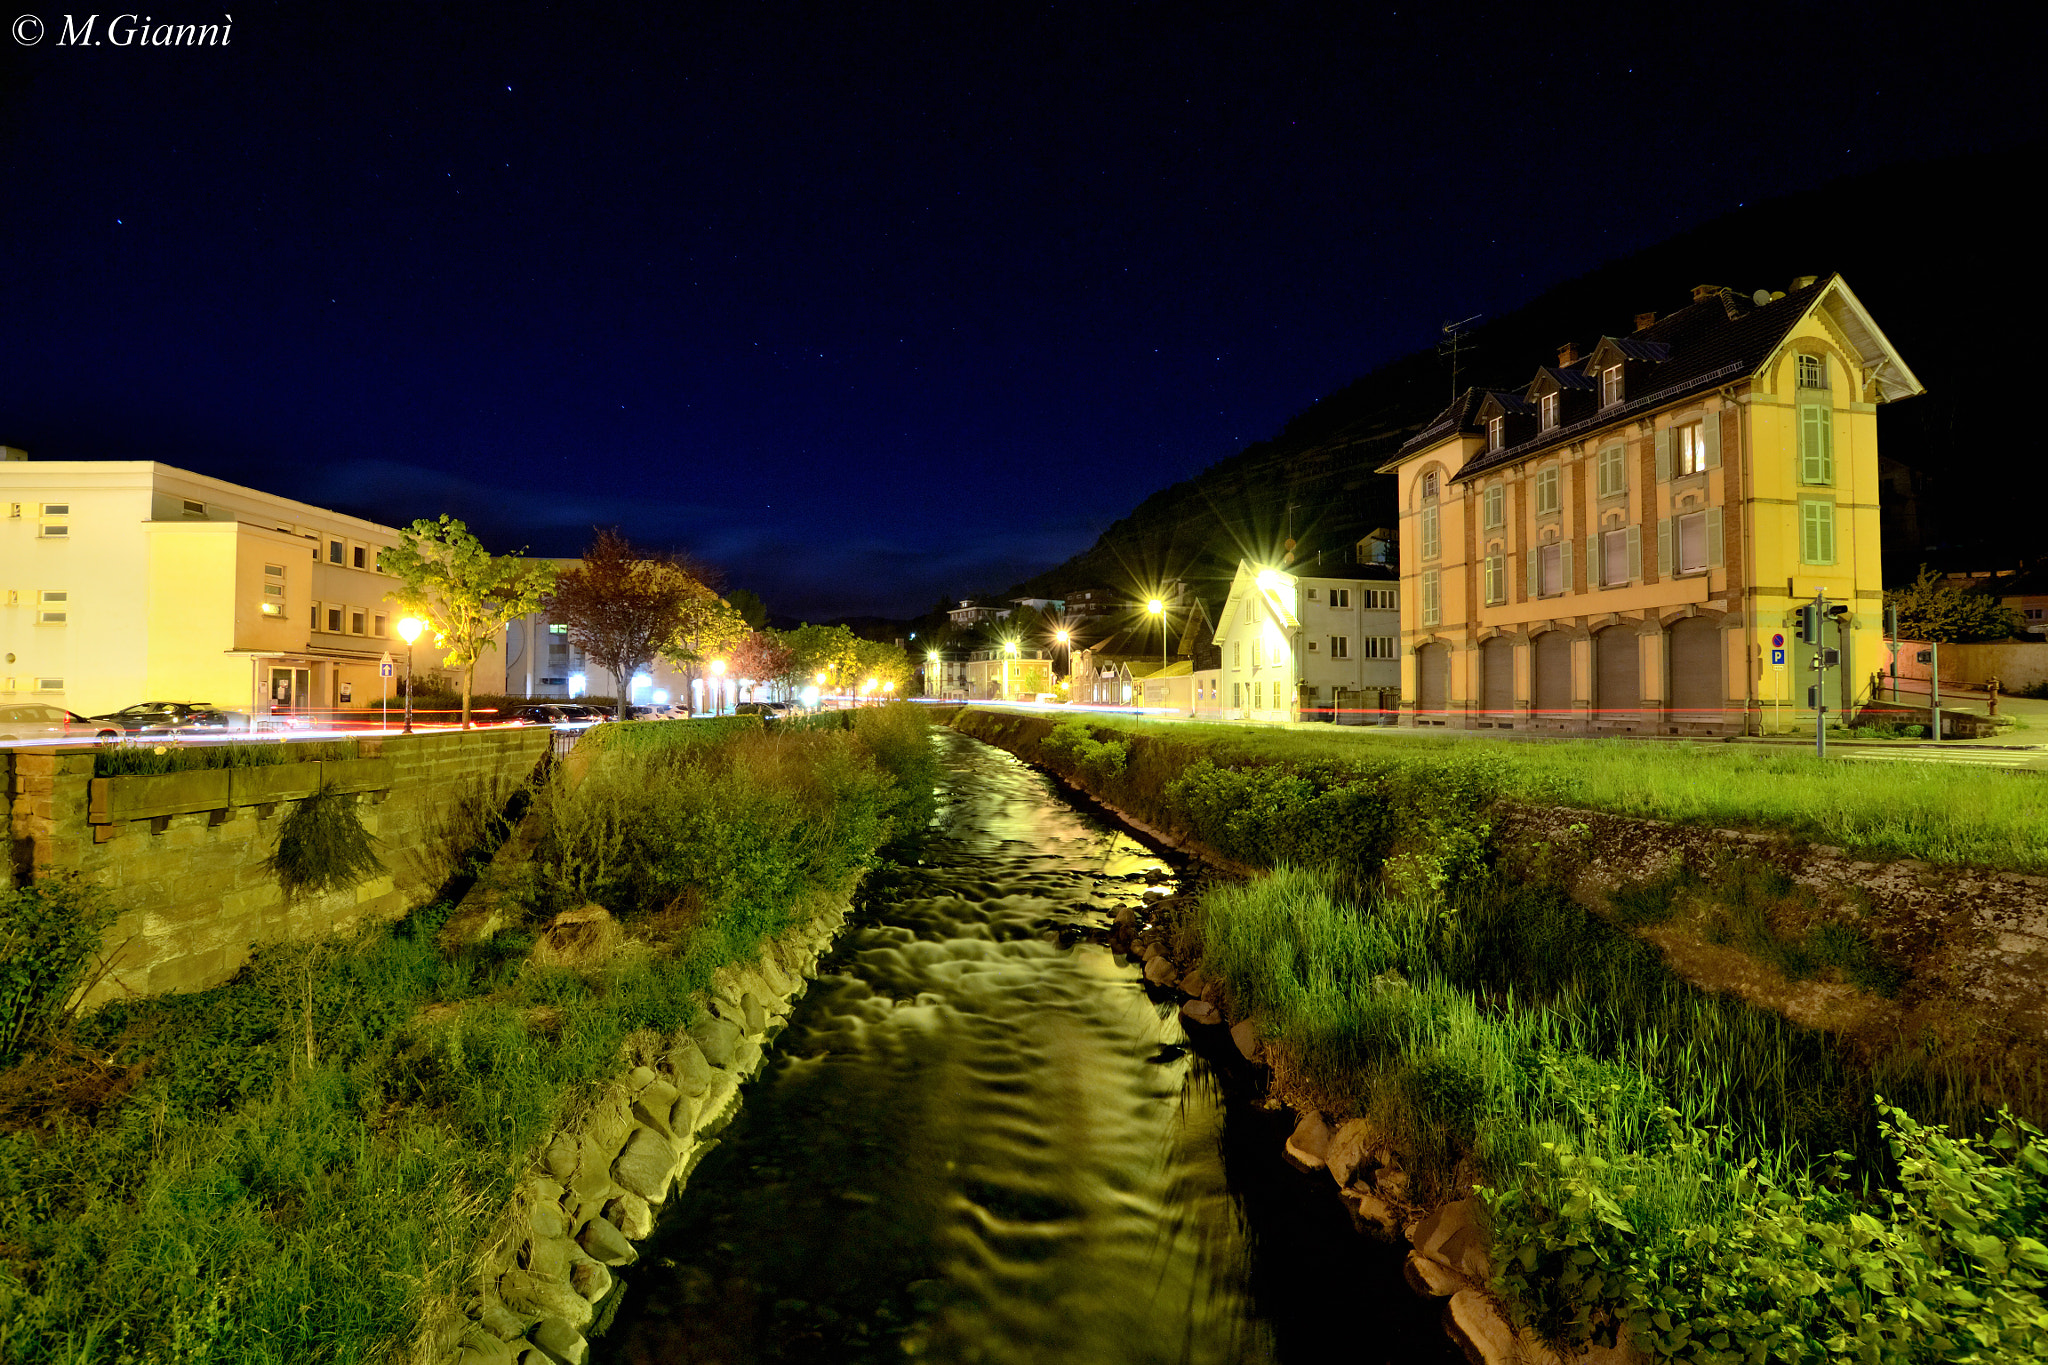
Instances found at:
x=1940 y=813
x=1646 y=1160
x=290 y=1167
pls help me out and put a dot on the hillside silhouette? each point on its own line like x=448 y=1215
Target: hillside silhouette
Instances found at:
x=1921 y=243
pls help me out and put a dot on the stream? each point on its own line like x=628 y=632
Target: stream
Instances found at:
x=980 y=1140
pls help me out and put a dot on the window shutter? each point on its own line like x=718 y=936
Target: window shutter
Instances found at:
x=1664 y=547
x=1532 y=575
x=1664 y=456
x=1827 y=531
x=1816 y=444
x=1596 y=572
x=1827 y=447
x=1635 y=553
x=1564 y=565
x=1713 y=537
x=1710 y=434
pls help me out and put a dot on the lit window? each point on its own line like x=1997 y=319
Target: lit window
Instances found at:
x=1496 y=505
x=53 y=608
x=1610 y=386
x=1547 y=499
x=1549 y=411
x=1340 y=646
x=1495 y=429
x=1614 y=565
x=1613 y=471
x=1813 y=372
x=56 y=521
x=1692 y=449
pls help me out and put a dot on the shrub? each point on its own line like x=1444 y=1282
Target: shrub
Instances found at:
x=322 y=846
x=48 y=933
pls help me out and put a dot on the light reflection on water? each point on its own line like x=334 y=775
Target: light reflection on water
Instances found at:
x=973 y=1144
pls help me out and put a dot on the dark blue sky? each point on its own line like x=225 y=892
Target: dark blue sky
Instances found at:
x=868 y=306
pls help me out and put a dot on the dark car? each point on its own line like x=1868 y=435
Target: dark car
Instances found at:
x=767 y=710
x=36 y=720
x=583 y=715
x=165 y=717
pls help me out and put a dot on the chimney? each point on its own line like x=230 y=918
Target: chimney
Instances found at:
x=1800 y=282
x=1704 y=291
x=1644 y=320
x=1567 y=354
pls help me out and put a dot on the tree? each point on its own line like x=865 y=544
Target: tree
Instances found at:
x=830 y=650
x=763 y=658
x=885 y=665
x=749 y=605
x=1935 y=609
x=623 y=605
x=465 y=593
x=707 y=628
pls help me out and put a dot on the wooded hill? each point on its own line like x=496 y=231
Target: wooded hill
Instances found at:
x=1923 y=244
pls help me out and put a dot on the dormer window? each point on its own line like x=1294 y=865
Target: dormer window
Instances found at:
x=1610 y=386
x=1549 y=411
x=1495 y=427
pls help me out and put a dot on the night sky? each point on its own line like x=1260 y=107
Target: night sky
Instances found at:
x=867 y=305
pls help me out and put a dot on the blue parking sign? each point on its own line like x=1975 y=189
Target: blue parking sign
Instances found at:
x=1778 y=657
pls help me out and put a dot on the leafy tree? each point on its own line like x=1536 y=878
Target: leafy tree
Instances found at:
x=624 y=605
x=1950 y=613
x=749 y=605
x=830 y=650
x=763 y=658
x=707 y=628
x=465 y=593
x=873 y=660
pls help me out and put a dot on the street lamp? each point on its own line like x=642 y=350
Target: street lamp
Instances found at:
x=409 y=630
x=1009 y=653
x=931 y=667
x=718 y=673
x=1158 y=609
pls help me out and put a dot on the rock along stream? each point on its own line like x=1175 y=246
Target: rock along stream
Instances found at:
x=979 y=1140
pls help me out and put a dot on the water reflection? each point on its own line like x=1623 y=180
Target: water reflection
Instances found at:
x=975 y=1144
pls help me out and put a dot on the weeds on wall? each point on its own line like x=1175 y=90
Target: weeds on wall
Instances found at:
x=322 y=846
x=150 y=757
x=49 y=932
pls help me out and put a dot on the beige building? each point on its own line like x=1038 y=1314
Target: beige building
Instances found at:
x=129 y=581
x=1617 y=546
x=1306 y=642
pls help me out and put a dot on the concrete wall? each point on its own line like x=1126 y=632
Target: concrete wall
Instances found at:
x=2015 y=663
x=183 y=854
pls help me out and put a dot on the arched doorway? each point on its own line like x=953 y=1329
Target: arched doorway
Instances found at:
x=1551 y=698
x=1618 y=665
x=1497 y=680
x=1698 y=670
x=1432 y=681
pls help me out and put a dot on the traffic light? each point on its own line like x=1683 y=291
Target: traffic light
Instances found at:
x=1807 y=624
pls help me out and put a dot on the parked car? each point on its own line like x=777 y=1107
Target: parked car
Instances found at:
x=172 y=717
x=583 y=715
x=35 y=720
x=767 y=710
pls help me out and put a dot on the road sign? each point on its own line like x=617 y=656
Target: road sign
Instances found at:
x=384 y=667
x=1778 y=656
x=1778 y=642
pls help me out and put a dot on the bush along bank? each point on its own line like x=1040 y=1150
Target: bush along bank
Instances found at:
x=1584 y=1146
x=309 y=1163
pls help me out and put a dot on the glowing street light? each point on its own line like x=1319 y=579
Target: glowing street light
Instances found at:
x=1158 y=609
x=410 y=629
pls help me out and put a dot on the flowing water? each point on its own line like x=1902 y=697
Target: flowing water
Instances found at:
x=979 y=1140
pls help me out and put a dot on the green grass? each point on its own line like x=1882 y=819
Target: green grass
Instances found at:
x=1947 y=814
x=1648 y=1154
x=291 y=1167
x=149 y=757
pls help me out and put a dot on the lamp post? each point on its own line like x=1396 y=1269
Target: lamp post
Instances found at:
x=409 y=630
x=1009 y=653
x=870 y=688
x=1158 y=609
x=931 y=665
x=718 y=681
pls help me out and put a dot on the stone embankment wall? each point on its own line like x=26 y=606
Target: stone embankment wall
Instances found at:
x=548 y=1279
x=183 y=854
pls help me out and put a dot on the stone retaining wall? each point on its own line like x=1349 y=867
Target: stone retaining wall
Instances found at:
x=183 y=854
x=548 y=1279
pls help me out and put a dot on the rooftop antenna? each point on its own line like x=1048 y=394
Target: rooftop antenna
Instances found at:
x=1453 y=342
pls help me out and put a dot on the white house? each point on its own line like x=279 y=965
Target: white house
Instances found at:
x=1297 y=646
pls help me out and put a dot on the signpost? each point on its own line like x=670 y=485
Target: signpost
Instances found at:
x=385 y=671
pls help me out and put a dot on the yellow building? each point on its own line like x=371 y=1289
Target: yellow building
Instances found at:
x=1617 y=546
x=1009 y=673
x=129 y=581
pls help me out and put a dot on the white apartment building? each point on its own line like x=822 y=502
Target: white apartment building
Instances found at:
x=1301 y=647
x=129 y=580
